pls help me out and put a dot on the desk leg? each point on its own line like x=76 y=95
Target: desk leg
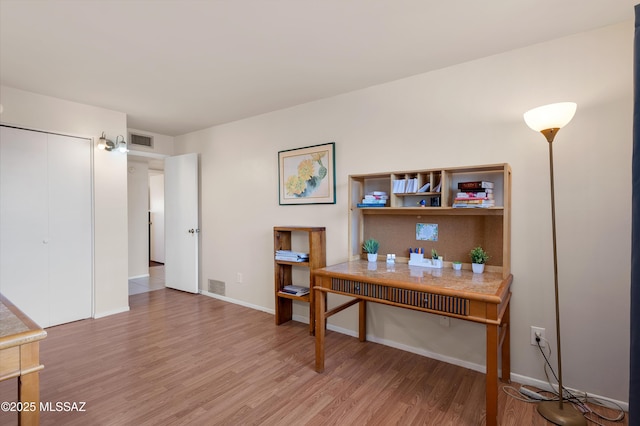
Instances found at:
x=492 y=374
x=362 y=321
x=29 y=384
x=506 y=347
x=321 y=327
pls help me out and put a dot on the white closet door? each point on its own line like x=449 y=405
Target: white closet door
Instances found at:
x=70 y=255
x=45 y=225
x=24 y=237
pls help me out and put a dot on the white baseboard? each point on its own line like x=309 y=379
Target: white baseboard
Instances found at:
x=525 y=380
x=238 y=302
x=139 y=276
x=111 y=312
x=518 y=378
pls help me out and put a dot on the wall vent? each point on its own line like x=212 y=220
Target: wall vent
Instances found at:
x=217 y=287
x=141 y=140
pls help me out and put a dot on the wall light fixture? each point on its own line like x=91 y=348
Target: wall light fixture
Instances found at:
x=108 y=145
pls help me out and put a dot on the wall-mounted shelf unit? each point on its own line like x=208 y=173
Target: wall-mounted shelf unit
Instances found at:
x=459 y=229
x=283 y=270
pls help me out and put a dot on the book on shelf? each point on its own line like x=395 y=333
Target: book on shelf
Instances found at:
x=475 y=195
x=412 y=185
x=295 y=290
x=425 y=187
x=405 y=186
x=374 y=199
x=363 y=205
x=473 y=203
x=479 y=184
x=291 y=256
x=399 y=186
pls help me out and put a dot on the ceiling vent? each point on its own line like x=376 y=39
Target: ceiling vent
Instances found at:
x=141 y=140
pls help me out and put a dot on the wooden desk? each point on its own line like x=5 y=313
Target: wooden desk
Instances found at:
x=482 y=298
x=20 y=357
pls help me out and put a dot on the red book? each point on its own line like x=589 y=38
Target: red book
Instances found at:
x=475 y=185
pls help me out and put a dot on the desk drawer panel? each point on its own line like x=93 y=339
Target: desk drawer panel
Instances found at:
x=435 y=302
x=420 y=299
x=363 y=289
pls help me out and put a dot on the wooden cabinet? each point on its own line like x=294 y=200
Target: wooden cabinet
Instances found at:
x=459 y=229
x=284 y=270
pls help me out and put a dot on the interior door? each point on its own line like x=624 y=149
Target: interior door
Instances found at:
x=181 y=222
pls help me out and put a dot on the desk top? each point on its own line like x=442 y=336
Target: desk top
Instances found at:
x=487 y=287
x=15 y=327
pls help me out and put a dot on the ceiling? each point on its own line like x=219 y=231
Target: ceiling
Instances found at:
x=176 y=66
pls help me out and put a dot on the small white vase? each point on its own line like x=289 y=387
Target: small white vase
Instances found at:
x=457 y=266
x=477 y=268
x=372 y=257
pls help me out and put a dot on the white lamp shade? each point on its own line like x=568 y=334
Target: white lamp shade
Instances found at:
x=552 y=116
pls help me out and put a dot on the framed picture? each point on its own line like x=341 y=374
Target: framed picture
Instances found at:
x=307 y=175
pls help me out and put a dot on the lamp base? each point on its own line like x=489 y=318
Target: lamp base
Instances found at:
x=568 y=415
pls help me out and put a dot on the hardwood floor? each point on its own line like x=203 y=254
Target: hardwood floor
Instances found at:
x=179 y=359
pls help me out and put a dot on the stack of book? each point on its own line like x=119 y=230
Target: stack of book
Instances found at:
x=374 y=199
x=401 y=186
x=292 y=256
x=296 y=290
x=410 y=186
x=475 y=194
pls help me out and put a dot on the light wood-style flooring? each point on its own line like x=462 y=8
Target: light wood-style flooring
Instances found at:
x=183 y=359
x=155 y=281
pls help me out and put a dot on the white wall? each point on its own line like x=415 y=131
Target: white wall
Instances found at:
x=138 y=210
x=156 y=207
x=40 y=112
x=462 y=115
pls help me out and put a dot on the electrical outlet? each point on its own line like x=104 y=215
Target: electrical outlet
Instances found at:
x=537 y=331
x=239 y=277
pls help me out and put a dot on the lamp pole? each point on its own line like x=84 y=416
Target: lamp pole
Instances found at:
x=548 y=120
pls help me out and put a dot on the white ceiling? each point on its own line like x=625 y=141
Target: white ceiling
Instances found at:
x=176 y=66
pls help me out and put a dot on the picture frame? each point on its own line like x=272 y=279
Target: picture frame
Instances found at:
x=307 y=175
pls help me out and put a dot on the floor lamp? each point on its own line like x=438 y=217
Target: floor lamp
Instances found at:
x=548 y=119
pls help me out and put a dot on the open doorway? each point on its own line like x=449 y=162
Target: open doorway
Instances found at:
x=156 y=218
x=146 y=223
x=145 y=183
x=176 y=242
